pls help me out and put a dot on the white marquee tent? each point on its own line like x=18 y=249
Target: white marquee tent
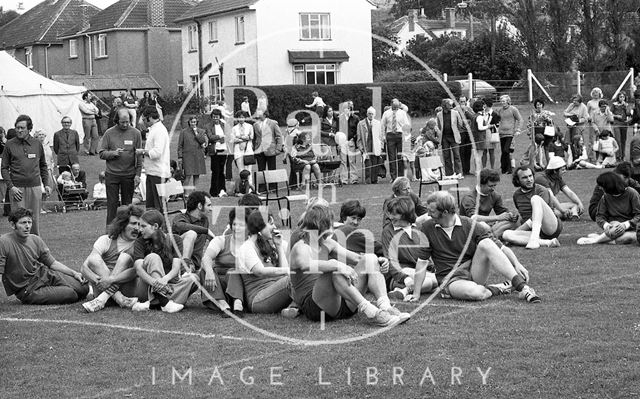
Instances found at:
x=23 y=91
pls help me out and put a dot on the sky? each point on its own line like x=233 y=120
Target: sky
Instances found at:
x=28 y=4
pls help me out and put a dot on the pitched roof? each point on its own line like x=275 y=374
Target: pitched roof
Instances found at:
x=44 y=23
x=110 y=82
x=429 y=25
x=211 y=7
x=131 y=14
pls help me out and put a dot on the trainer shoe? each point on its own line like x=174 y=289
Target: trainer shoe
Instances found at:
x=141 y=306
x=384 y=319
x=396 y=295
x=124 y=301
x=93 y=306
x=222 y=194
x=290 y=312
x=529 y=294
x=505 y=287
x=393 y=311
x=172 y=307
x=533 y=245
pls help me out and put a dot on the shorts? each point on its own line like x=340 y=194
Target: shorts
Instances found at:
x=462 y=273
x=553 y=235
x=313 y=312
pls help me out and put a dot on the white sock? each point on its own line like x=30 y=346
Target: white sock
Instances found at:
x=103 y=297
x=224 y=305
x=367 y=308
x=383 y=303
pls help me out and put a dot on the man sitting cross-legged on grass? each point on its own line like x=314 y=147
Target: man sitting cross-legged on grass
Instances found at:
x=30 y=271
x=322 y=283
x=487 y=199
x=447 y=235
x=405 y=246
x=618 y=212
x=193 y=227
x=622 y=169
x=109 y=266
x=158 y=264
x=539 y=225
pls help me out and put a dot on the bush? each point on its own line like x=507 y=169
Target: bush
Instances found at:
x=404 y=75
x=420 y=97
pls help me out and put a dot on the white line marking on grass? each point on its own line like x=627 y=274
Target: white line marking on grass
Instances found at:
x=34 y=309
x=600 y=281
x=227 y=364
x=140 y=329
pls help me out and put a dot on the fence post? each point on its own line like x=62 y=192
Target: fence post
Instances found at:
x=579 y=83
x=445 y=77
x=530 y=83
x=470 y=86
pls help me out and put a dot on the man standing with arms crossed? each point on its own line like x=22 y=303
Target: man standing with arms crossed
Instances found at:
x=395 y=122
x=66 y=145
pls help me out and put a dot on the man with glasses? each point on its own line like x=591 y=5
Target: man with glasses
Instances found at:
x=486 y=199
x=66 y=145
x=123 y=164
x=402 y=188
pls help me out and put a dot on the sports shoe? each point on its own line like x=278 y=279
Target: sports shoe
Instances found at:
x=124 y=301
x=393 y=311
x=533 y=245
x=141 y=306
x=384 y=319
x=505 y=287
x=554 y=243
x=529 y=294
x=222 y=194
x=585 y=241
x=172 y=307
x=396 y=295
x=93 y=306
x=290 y=313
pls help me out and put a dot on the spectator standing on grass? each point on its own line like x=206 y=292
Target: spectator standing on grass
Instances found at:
x=131 y=103
x=267 y=143
x=538 y=121
x=66 y=145
x=89 y=112
x=510 y=126
x=618 y=212
x=538 y=224
x=579 y=115
x=449 y=123
x=192 y=144
x=621 y=118
x=158 y=264
x=117 y=104
x=349 y=156
x=395 y=123
x=451 y=239
x=24 y=169
x=109 y=266
x=369 y=141
x=123 y=163
x=157 y=157
x=468 y=118
x=218 y=150
x=242 y=141
x=481 y=129
x=30 y=272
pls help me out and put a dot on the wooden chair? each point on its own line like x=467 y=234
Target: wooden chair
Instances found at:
x=427 y=164
x=278 y=177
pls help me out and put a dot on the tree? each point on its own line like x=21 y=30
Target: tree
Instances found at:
x=591 y=26
x=526 y=16
x=432 y=8
x=7 y=16
x=384 y=54
x=561 y=37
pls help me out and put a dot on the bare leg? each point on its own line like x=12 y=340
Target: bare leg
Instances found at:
x=542 y=219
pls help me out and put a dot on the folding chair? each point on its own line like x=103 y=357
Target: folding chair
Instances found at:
x=169 y=188
x=277 y=177
x=427 y=164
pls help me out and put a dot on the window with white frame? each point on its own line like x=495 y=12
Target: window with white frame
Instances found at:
x=240 y=29
x=214 y=88
x=192 y=35
x=194 y=84
x=213 y=31
x=242 y=76
x=315 y=26
x=100 y=46
x=73 y=48
x=315 y=74
x=28 y=56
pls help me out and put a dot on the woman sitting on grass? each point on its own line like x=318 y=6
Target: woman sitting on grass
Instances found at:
x=618 y=212
x=264 y=266
x=322 y=283
x=157 y=260
x=579 y=155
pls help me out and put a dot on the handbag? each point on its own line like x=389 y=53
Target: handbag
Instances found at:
x=549 y=131
x=494 y=138
x=596 y=146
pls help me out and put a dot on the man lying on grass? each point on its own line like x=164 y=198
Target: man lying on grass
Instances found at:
x=30 y=271
x=446 y=235
x=109 y=266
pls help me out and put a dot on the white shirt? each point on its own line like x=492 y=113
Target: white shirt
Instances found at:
x=158 y=158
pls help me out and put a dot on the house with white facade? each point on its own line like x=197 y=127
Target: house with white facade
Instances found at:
x=276 y=42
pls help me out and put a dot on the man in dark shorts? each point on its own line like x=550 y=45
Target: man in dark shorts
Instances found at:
x=447 y=235
x=539 y=225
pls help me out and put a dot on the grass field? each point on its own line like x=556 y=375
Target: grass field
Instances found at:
x=581 y=341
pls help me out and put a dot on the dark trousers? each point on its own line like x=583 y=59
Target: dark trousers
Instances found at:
x=153 y=197
x=371 y=165
x=505 y=154
x=620 y=135
x=50 y=287
x=394 y=148
x=119 y=189
x=217 y=174
x=449 y=147
x=465 y=152
x=228 y=174
x=266 y=162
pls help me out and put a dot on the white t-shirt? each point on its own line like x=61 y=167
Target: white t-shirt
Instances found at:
x=103 y=243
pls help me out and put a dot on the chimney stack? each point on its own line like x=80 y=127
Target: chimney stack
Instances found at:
x=450 y=16
x=413 y=17
x=155 y=13
x=84 y=17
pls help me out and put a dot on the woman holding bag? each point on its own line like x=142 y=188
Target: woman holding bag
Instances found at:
x=191 y=145
x=242 y=140
x=541 y=121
